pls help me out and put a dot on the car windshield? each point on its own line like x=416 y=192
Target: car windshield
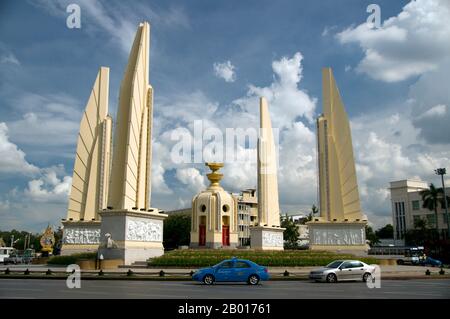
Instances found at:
x=334 y=264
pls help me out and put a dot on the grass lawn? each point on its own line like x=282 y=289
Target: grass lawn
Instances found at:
x=209 y=257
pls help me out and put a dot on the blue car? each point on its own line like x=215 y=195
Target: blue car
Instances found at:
x=431 y=262
x=232 y=270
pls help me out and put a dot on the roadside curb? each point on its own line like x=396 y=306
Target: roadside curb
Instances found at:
x=179 y=278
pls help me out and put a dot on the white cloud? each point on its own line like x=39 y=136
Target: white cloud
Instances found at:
x=6 y=56
x=435 y=111
x=12 y=159
x=49 y=188
x=117 y=18
x=327 y=30
x=410 y=44
x=9 y=58
x=48 y=121
x=287 y=104
x=192 y=178
x=387 y=147
x=225 y=71
x=286 y=101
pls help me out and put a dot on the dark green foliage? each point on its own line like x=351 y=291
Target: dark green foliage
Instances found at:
x=20 y=237
x=371 y=236
x=386 y=232
x=431 y=198
x=287 y=258
x=71 y=259
x=290 y=233
x=177 y=229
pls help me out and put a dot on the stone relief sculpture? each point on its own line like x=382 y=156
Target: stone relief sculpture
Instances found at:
x=337 y=237
x=143 y=231
x=81 y=236
x=273 y=239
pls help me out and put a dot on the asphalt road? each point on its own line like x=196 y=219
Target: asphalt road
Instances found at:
x=404 y=289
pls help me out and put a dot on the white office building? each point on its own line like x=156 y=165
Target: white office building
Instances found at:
x=407 y=207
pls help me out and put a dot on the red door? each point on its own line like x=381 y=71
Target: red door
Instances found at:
x=225 y=235
x=202 y=235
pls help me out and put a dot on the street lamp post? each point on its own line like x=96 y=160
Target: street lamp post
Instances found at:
x=442 y=172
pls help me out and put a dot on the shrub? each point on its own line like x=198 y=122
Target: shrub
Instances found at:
x=71 y=259
x=291 y=258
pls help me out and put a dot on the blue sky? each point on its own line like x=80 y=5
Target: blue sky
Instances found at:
x=392 y=81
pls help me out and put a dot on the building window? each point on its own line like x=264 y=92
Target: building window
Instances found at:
x=415 y=205
x=416 y=219
x=225 y=208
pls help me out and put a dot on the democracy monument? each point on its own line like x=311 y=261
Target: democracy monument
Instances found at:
x=341 y=225
x=109 y=209
x=109 y=206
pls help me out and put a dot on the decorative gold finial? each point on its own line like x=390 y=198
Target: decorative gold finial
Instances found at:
x=214 y=177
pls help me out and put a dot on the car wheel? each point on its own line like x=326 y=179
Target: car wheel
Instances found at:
x=367 y=277
x=331 y=278
x=253 y=280
x=208 y=279
x=400 y=262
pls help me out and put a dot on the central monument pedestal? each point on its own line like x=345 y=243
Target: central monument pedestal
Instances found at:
x=131 y=236
x=80 y=237
x=266 y=238
x=342 y=237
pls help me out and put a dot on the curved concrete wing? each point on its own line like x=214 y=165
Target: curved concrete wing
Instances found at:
x=92 y=161
x=130 y=180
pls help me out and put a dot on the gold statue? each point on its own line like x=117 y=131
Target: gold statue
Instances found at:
x=47 y=240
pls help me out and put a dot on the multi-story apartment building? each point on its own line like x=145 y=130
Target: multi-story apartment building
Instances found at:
x=247 y=214
x=407 y=207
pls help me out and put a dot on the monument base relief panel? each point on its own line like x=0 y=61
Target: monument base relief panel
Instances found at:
x=345 y=237
x=266 y=238
x=80 y=237
x=131 y=236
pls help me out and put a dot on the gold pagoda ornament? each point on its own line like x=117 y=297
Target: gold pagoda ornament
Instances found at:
x=47 y=240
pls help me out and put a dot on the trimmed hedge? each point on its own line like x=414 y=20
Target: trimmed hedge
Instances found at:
x=292 y=258
x=71 y=259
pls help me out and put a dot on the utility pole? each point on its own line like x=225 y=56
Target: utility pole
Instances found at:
x=442 y=172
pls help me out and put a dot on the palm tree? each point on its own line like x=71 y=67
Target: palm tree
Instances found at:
x=431 y=198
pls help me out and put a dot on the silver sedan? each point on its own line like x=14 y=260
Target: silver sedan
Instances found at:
x=340 y=270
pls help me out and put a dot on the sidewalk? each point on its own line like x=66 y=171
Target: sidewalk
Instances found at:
x=299 y=273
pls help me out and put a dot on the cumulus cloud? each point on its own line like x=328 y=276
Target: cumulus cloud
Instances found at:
x=288 y=105
x=49 y=188
x=287 y=102
x=225 y=71
x=410 y=44
x=12 y=159
x=192 y=178
x=47 y=121
x=387 y=148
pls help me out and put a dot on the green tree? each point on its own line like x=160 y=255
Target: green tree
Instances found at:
x=386 y=232
x=177 y=229
x=371 y=236
x=19 y=239
x=431 y=198
x=291 y=234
